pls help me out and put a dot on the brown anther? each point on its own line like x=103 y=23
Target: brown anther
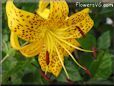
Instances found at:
x=87 y=72
x=47 y=57
x=44 y=76
x=42 y=73
x=81 y=32
x=94 y=51
x=69 y=81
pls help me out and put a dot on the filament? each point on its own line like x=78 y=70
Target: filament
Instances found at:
x=70 y=44
x=62 y=63
x=71 y=56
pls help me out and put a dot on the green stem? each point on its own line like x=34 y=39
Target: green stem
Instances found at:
x=7 y=55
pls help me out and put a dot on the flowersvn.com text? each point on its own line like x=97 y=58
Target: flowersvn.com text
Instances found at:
x=100 y=4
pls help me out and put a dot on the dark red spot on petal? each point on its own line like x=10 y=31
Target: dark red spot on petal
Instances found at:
x=28 y=16
x=21 y=15
x=15 y=30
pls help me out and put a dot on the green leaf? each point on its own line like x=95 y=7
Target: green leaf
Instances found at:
x=101 y=68
x=107 y=12
x=72 y=71
x=85 y=59
x=17 y=68
x=27 y=6
x=104 y=41
x=87 y=42
x=113 y=63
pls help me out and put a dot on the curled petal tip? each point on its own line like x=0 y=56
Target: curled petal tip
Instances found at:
x=87 y=10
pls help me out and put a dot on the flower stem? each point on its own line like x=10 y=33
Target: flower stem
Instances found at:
x=7 y=55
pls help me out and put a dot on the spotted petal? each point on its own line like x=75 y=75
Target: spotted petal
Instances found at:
x=23 y=23
x=80 y=23
x=58 y=10
x=54 y=65
x=43 y=10
x=14 y=41
x=31 y=49
x=43 y=4
x=28 y=50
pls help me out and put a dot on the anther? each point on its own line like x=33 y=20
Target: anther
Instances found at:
x=69 y=81
x=94 y=51
x=44 y=76
x=81 y=32
x=47 y=57
x=87 y=71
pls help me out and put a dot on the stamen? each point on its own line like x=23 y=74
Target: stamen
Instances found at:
x=71 y=56
x=88 y=72
x=81 y=32
x=50 y=43
x=47 y=61
x=47 y=40
x=41 y=72
x=94 y=52
x=70 y=44
x=47 y=58
x=69 y=81
x=68 y=37
x=84 y=68
x=62 y=63
x=44 y=76
x=46 y=70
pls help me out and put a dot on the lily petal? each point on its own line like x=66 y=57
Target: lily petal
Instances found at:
x=58 y=10
x=23 y=23
x=31 y=49
x=80 y=26
x=43 y=4
x=14 y=41
x=42 y=10
x=77 y=17
x=44 y=14
x=54 y=65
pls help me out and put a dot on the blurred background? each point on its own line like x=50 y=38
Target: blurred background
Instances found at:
x=16 y=69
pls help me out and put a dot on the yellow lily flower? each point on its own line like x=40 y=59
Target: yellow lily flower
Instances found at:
x=50 y=33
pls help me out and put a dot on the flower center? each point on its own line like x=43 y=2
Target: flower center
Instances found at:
x=51 y=40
